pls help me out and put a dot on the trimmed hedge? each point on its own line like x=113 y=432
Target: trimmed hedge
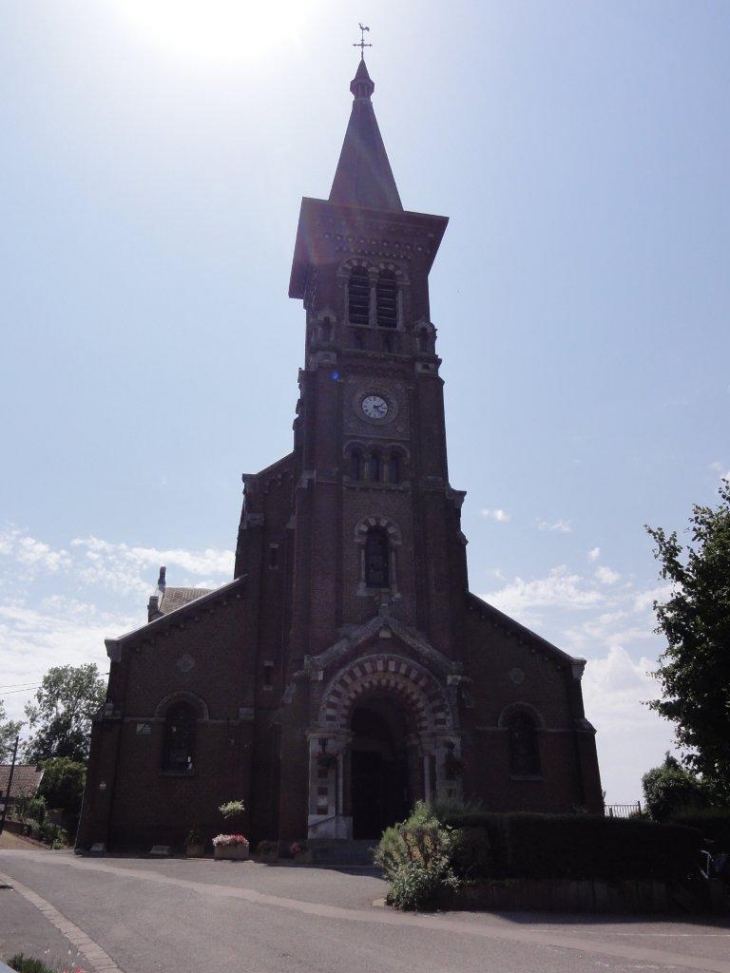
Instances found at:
x=576 y=846
x=713 y=824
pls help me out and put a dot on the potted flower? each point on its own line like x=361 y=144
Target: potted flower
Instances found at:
x=194 y=847
x=268 y=851
x=232 y=846
x=300 y=853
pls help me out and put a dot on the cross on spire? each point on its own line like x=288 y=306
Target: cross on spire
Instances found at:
x=361 y=43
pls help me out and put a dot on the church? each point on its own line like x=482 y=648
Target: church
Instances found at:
x=346 y=671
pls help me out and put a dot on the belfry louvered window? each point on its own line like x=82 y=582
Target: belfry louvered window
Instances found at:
x=387 y=300
x=358 y=296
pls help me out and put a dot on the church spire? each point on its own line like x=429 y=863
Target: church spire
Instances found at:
x=363 y=176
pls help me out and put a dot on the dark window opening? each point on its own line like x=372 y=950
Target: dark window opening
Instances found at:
x=524 y=757
x=387 y=300
x=273 y=555
x=327 y=330
x=268 y=675
x=377 y=574
x=356 y=464
x=374 y=467
x=423 y=341
x=394 y=468
x=359 y=296
x=179 y=740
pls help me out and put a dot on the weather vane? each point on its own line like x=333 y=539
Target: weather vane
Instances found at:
x=361 y=43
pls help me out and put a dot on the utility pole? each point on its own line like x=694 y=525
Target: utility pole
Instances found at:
x=10 y=784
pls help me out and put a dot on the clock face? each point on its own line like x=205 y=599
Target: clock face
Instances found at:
x=374 y=407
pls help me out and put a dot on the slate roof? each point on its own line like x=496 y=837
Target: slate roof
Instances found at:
x=364 y=176
x=26 y=779
x=174 y=598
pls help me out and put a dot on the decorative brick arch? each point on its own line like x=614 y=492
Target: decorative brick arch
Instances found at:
x=390 y=675
x=514 y=709
x=192 y=699
x=367 y=523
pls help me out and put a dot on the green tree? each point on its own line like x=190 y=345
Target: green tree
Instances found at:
x=60 y=718
x=9 y=729
x=671 y=788
x=63 y=784
x=694 y=670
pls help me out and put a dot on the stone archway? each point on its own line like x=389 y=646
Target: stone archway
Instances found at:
x=384 y=736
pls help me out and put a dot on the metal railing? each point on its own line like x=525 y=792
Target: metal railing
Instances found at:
x=622 y=810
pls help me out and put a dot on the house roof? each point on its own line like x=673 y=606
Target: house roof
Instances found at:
x=26 y=779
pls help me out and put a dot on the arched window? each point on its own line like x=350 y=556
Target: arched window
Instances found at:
x=394 y=468
x=356 y=464
x=179 y=739
x=358 y=296
x=374 y=467
x=423 y=341
x=377 y=574
x=387 y=300
x=524 y=756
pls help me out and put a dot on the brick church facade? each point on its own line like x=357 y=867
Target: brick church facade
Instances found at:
x=346 y=671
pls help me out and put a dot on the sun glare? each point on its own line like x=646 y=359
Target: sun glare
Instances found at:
x=230 y=30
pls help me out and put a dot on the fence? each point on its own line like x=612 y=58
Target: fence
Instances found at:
x=622 y=810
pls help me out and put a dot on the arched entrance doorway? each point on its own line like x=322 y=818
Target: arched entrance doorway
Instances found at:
x=379 y=772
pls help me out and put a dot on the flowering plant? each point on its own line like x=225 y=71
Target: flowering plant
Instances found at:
x=230 y=839
x=296 y=848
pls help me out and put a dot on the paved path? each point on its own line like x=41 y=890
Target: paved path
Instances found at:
x=175 y=916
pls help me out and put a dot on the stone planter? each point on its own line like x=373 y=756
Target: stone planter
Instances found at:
x=195 y=851
x=231 y=852
x=268 y=857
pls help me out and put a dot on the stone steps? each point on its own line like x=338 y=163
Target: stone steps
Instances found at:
x=329 y=851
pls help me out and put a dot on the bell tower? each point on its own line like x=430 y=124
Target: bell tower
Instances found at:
x=382 y=522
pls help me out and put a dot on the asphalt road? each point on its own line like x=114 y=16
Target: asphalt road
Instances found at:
x=175 y=916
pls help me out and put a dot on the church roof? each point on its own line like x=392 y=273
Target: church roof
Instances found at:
x=363 y=176
x=174 y=598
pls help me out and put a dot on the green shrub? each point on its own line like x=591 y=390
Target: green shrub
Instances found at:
x=63 y=784
x=26 y=964
x=672 y=789
x=416 y=858
x=53 y=835
x=713 y=824
x=416 y=885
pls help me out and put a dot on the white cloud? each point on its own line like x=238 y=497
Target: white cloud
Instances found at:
x=560 y=526
x=594 y=554
x=501 y=516
x=645 y=599
x=606 y=575
x=718 y=467
x=630 y=737
x=560 y=589
x=129 y=570
x=30 y=555
x=59 y=605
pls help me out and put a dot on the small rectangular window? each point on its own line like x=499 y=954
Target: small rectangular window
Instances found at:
x=273 y=555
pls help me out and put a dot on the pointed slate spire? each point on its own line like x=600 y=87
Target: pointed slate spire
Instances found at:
x=363 y=176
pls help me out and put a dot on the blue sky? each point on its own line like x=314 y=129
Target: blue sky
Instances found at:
x=150 y=181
